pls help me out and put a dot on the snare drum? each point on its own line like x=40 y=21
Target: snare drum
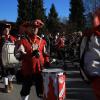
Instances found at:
x=54 y=84
x=8 y=58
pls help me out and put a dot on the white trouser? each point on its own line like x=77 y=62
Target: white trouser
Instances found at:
x=5 y=81
x=10 y=77
x=25 y=97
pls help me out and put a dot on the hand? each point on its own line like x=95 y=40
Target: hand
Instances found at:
x=36 y=53
x=22 y=49
x=19 y=55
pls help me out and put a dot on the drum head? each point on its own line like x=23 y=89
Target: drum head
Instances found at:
x=8 y=58
x=54 y=70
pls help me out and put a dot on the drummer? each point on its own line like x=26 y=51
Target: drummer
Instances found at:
x=7 y=73
x=32 y=51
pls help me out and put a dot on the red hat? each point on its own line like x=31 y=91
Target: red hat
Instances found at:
x=26 y=24
x=38 y=23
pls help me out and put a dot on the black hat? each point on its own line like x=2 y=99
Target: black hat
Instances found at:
x=26 y=24
x=7 y=26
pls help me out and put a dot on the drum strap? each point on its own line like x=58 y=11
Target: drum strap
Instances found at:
x=31 y=42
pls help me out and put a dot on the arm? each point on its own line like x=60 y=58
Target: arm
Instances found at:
x=19 y=50
x=46 y=58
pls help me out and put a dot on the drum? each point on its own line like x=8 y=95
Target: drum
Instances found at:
x=8 y=58
x=54 y=84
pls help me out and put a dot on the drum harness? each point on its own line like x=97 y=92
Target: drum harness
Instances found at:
x=6 y=41
x=33 y=42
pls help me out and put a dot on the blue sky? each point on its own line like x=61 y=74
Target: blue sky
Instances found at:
x=8 y=8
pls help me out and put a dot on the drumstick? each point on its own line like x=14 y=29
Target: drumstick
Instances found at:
x=53 y=60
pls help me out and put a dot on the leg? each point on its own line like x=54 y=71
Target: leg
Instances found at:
x=10 y=77
x=2 y=67
x=39 y=84
x=6 y=85
x=5 y=79
x=26 y=86
x=96 y=87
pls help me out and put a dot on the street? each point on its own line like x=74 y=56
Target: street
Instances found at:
x=76 y=89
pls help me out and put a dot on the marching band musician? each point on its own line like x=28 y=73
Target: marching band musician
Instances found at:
x=7 y=73
x=60 y=47
x=32 y=52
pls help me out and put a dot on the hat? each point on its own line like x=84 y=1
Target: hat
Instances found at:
x=26 y=24
x=7 y=25
x=37 y=23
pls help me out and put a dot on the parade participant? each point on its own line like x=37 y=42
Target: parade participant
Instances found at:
x=60 y=47
x=91 y=54
x=45 y=36
x=32 y=52
x=56 y=39
x=7 y=73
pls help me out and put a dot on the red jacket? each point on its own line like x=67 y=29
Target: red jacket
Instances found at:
x=60 y=42
x=32 y=64
x=5 y=38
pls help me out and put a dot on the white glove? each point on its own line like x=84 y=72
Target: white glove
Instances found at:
x=22 y=49
x=35 y=47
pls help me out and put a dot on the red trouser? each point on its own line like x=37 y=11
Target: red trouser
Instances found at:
x=96 y=87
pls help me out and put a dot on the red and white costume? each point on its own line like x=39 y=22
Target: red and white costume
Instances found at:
x=32 y=64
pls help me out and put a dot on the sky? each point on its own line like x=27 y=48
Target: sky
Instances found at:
x=8 y=8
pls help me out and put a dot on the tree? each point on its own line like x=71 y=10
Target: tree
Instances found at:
x=38 y=11
x=24 y=10
x=91 y=5
x=77 y=14
x=53 y=20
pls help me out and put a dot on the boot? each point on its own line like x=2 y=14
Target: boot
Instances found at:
x=10 y=85
x=7 y=90
x=10 y=79
x=25 y=97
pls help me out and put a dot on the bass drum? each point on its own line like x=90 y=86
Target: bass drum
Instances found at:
x=8 y=58
x=54 y=84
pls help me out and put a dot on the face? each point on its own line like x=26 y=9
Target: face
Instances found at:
x=29 y=30
x=21 y=29
x=6 y=31
x=35 y=31
x=96 y=21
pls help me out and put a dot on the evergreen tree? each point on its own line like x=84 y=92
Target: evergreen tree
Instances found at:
x=24 y=10
x=91 y=5
x=53 y=20
x=77 y=14
x=38 y=11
